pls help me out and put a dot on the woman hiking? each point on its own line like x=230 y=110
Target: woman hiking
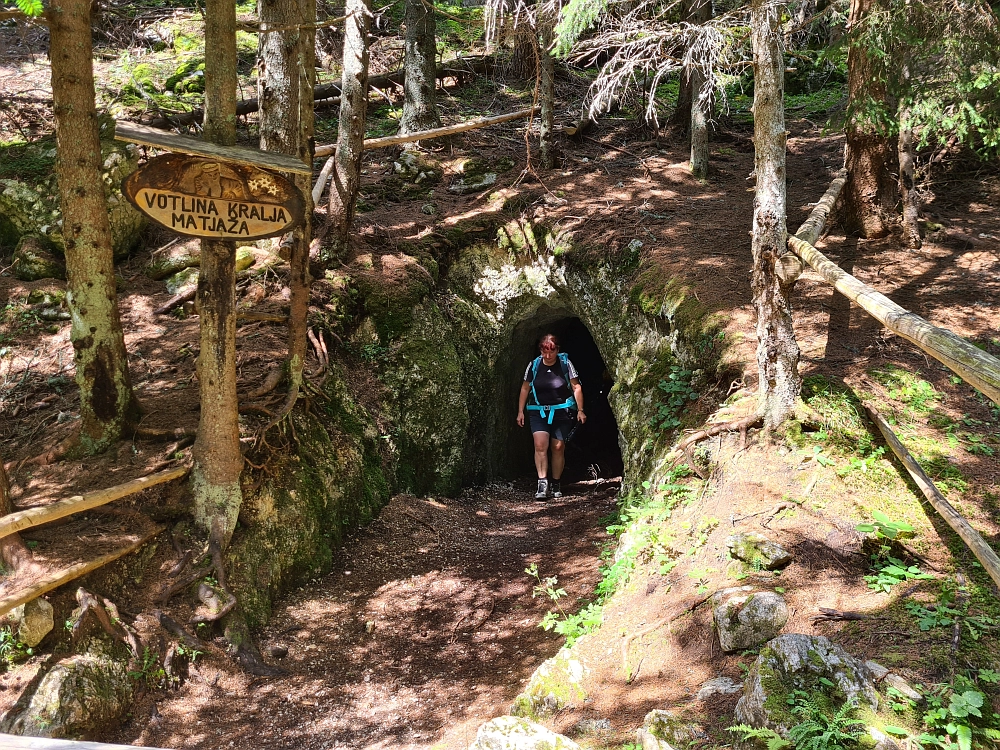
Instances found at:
x=556 y=401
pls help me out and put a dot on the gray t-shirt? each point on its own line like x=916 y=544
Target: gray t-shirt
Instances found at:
x=550 y=385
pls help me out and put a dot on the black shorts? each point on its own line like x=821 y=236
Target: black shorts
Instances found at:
x=561 y=425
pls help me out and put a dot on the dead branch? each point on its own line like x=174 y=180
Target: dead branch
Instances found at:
x=153 y=433
x=169 y=591
x=835 y=615
x=177 y=299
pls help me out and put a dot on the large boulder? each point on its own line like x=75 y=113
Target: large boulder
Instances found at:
x=79 y=697
x=758 y=551
x=745 y=618
x=518 y=733
x=801 y=662
x=30 y=206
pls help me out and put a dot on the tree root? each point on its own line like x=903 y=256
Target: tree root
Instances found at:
x=53 y=454
x=216 y=606
x=173 y=627
x=687 y=444
x=170 y=591
x=835 y=615
x=177 y=299
x=153 y=433
x=108 y=617
x=271 y=380
x=689 y=607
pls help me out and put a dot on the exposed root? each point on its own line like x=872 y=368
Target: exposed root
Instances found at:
x=217 y=604
x=170 y=591
x=60 y=450
x=178 y=433
x=835 y=615
x=271 y=382
x=689 y=607
x=687 y=444
x=177 y=299
x=176 y=629
x=108 y=617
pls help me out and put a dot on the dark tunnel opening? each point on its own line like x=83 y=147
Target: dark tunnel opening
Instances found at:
x=593 y=450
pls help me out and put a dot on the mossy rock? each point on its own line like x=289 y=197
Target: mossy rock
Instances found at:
x=417 y=168
x=518 y=733
x=390 y=287
x=33 y=262
x=183 y=281
x=555 y=685
x=291 y=524
x=163 y=268
x=188 y=78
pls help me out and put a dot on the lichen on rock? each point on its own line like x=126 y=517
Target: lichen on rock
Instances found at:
x=745 y=618
x=518 y=733
x=555 y=685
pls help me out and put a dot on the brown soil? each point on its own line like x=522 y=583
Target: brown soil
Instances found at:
x=427 y=626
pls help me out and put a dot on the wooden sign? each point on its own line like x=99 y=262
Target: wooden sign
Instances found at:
x=202 y=197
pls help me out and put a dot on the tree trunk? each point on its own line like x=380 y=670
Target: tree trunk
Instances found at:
x=870 y=194
x=107 y=403
x=547 y=90
x=217 y=458
x=351 y=132
x=907 y=191
x=420 y=65
x=286 y=79
x=777 y=350
x=13 y=551
x=700 y=12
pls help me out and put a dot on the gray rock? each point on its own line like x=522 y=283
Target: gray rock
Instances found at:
x=53 y=313
x=473 y=184
x=882 y=740
x=183 y=281
x=758 y=551
x=518 y=733
x=593 y=726
x=167 y=266
x=78 y=697
x=718 y=686
x=33 y=262
x=34 y=621
x=415 y=167
x=661 y=730
x=878 y=671
x=895 y=681
x=748 y=619
x=795 y=661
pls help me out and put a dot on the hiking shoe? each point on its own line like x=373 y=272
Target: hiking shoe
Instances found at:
x=554 y=489
x=543 y=489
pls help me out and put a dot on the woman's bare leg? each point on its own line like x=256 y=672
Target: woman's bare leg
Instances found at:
x=541 y=453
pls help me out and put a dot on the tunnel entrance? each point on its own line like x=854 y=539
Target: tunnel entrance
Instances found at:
x=593 y=449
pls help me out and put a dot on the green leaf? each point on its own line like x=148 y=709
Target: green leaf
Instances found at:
x=29 y=7
x=898 y=731
x=964 y=735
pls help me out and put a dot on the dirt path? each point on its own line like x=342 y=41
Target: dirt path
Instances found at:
x=424 y=630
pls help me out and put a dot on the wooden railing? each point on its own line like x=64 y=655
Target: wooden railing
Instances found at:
x=15 y=742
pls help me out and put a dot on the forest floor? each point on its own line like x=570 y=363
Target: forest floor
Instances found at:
x=418 y=647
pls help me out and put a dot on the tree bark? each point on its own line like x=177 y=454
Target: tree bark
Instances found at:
x=107 y=404
x=420 y=69
x=546 y=90
x=700 y=12
x=13 y=551
x=217 y=458
x=286 y=80
x=351 y=132
x=777 y=350
x=870 y=195
x=907 y=187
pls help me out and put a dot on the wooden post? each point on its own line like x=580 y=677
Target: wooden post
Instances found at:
x=976 y=367
x=983 y=552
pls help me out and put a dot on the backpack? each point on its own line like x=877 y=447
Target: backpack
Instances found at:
x=569 y=403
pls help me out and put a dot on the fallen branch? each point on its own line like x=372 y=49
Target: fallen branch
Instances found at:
x=983 y=552
x=25 y=519
x=395 y=140
x=154 y=433
x=835 y=615
x=177 y=299
x=57 y=579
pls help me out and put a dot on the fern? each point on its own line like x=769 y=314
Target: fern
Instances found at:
x=818 y=731
x=774 y=740
x=577 y=17
x=29 y=7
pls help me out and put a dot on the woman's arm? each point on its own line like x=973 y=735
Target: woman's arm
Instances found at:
x=578 y=395
x=521 y=401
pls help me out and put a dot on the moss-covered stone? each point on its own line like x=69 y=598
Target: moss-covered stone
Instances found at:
x=32 y=261
x=289 y=526
x=556 y=684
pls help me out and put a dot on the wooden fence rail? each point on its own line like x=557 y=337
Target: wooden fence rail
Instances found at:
x=973 y=365
x=14 y=742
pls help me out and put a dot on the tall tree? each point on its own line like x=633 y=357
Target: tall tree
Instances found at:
x=545 y=18
x=351 y=131
x=777 y=351
x=107 y=403
x=286 y=78
x=420 y=110
x=217 y=458
x=700 y=12
x=870 y=193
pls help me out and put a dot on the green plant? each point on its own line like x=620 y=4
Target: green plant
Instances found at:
x=884 y=528
x=677 y=391
x=891 y=571
x=959 y=713
x=149 y=671
x=190 y=652
x=11 y=648
x=816 y=728
x=772 y=739
x=902 y=385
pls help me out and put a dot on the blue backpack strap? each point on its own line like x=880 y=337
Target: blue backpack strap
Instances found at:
x=534 y=373
x=569 y=403
x=564 y=361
